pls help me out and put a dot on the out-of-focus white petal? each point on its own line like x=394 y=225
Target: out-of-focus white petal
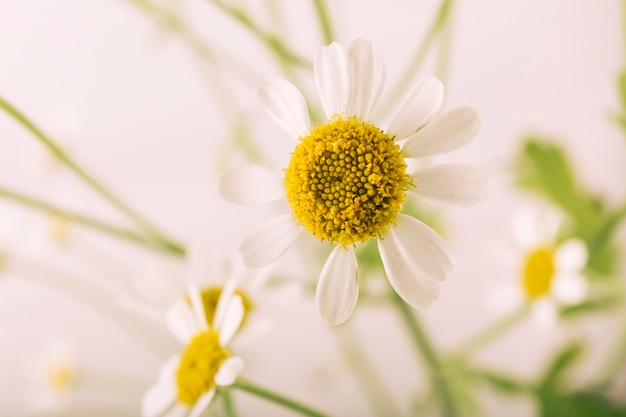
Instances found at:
x=269 y=241
x=569 y=289
x=223 y=303
x=406 y=279
x=367 y=76
x=229 y=371
x=202 y=403
x=284 y=102
x=338 y=286
x=455 y=184
x=545 y=313
x=423 y=246
x=571 y=256
x=444 y=134
x=250 y=184
x=232 y=319
x=332 y=78
x=504 y=299
x=179 y=319
x=158 y=398
x=197 y=307
x=419 y=107
x=178 y=410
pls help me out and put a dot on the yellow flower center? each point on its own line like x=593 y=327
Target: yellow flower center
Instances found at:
x=210 y=297
x=59 y=228
x=538 y=272
x=61 y=377
x=346 y=181
x=198 y=366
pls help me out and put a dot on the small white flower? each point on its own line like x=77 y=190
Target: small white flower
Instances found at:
x=544 y=272
x=347 y=179
x=54 y=373
x=187 y=382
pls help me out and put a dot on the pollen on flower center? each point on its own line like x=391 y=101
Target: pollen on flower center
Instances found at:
x=346 y=181
x=538 y=272
x=198 y=366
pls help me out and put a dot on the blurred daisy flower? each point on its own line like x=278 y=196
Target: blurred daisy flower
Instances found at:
x=347 y=179
x=54 y=374
x=547 y=273
x=187 y=382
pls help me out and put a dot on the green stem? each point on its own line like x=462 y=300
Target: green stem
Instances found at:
x=367 y=376
x=272 y=42
x=616 y=359
x=493 y=331
x=87 y=221
x=89 y=180
x=420 y=54
x=276 y=398
x=429 y=356
x=229 y=405
x=324 y=21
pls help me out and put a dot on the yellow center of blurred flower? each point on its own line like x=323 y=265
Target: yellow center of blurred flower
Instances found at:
x=59 y=228
x=346 y=181
x=61 y=377
x=198 y=366
x=210 y=297
x=538 y=272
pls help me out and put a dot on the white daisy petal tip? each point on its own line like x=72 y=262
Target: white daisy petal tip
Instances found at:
x=446 y=133
x=338 y=287
x=453 y=184
x=250 y=184
x=332 y=78
x=420 y=106
x=229 y=371
x=269 y=241
x=286 y=105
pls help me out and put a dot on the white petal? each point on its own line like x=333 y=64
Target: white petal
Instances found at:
x=367 y=76
x=404 y=276
x=197 y=307
x=232 y=319
x=332 y=78
x=284 y=102
x=158 y=398
x=444 y=134
x=180 y=321
x=338 y=286
x=569 y=289
x=250 y=184
x=223 y=303
x=571 y=256
x=454 y=184
x=545 y=313
x=202 y=403
x=179 y=410
x=419 y=107
x=169 y=368
x=423 y=246
x=269 y=241
x=229 y=371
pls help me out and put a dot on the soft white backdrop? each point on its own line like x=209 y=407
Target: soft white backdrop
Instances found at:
x=144 y=120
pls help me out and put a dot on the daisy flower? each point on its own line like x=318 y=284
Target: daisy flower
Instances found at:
x=546 y=273
x=347 y=179
x=187 y=382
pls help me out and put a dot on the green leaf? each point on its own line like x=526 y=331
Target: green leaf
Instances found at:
x=578 y=404
x=560 y=364
x=590 y=306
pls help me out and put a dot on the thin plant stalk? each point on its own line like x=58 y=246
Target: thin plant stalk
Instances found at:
x=148 y=227
x=87 y=221
x=429 y=355
x=324 y=21
x=276 y=398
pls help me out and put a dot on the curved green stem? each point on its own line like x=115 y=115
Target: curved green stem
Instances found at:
x=324 y=21
x=87 y=221
x=272 y=42
x=229 y=405
x=89 y=180
x=277 y=398
x=493 y=331
x=405 y=79
x=428 y=354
